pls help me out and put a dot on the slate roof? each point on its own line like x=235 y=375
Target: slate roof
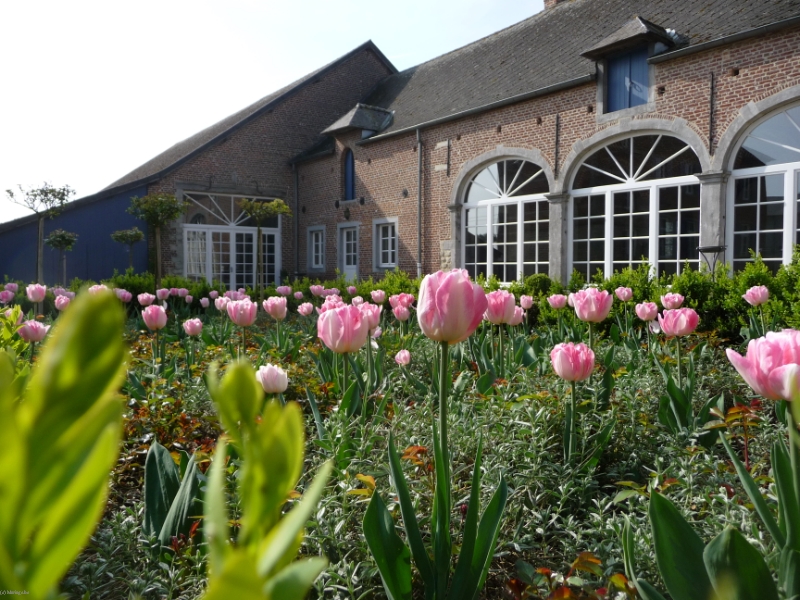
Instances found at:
x=182 y=151
x=362 y=116
x=635 y=31
x=545 y=50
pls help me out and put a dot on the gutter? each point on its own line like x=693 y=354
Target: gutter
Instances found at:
x=728 y=39
x=492 y=105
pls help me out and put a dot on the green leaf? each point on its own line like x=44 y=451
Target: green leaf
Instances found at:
x=312 y=402
x=626 y=540
x=488 y=530
x=789 y=572
x=418 y=550
x=599 y=442
x=390 y=553
x=569 y=443
x=485 y=382
x=442 y=543
x=294 y=581
x=283 y=538
x=347 y=400
x=238 y=579
x=755 y=494
x=183 y=507
x=647 y=591
x=161 y=485
x=787 y=500
x=215 y=526
x=736 y=569
x=461 y=577
x=679 y=552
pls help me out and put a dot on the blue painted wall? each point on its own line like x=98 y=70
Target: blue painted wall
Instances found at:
x=95 y=255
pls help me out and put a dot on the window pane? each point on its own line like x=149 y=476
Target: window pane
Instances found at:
x=669 y=198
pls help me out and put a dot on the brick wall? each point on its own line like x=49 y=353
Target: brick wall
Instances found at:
x=260 y=151
x=385 y=168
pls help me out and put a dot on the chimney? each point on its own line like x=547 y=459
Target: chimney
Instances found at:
x=548 y=4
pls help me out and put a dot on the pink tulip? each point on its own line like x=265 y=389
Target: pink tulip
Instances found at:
x=305 y=309
x=558 y=301
x=298 y=295
x=572 y=362
x=70 y=295
x=756 y=295
x=372 y=313
x=352 y=290
x=243 y=291
x=332 y=292
x=36 y=292
x=6 y=296
x=275 y=307
x=592 y=305
x=647 y=311
x=376 y=333
x=401 y=300
x=526 y=302
x=625 y=294
x=770 y=365
x=182 y=292
x=173 y=291
x=671 y=300
x=146 y=299
x=378 y=296
x=571 y=300
x=12 y=287
x=401 y=313
x=343 y=329
x=284 y=290
x=499 y=307
x=332 y=301
x=58 y=291
x=155 y=317
x=221 y=302
x=273 y=379
x=357 y=301
x=213 y=294
x=62 y=302
x=678 y=321
x=33 y=331
x=519 y=314
x=204 y=302
x=242 y=312
x=193 y=327
x=450 y=306
x=162 y=294
x=97 y=289
x=403 y=357
x=316 y=290
x=7 y=314
x=655 y=327
x=123 y=295
x=189 y=299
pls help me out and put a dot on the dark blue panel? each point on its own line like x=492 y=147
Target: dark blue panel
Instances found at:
x=95 y=255
x=349 y=176
x=640 y=81
x=619 y=69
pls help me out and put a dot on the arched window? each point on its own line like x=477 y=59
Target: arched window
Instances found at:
x=505 y=221
x=763 y=199
x=636 y=201
x=349 y=175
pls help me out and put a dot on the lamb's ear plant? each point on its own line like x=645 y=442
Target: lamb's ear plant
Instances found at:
x=270 y=440
x=60 y=440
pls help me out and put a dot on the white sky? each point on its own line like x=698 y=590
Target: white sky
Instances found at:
x=92 y=89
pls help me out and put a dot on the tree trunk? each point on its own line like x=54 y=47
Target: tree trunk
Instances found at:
x=158 y=256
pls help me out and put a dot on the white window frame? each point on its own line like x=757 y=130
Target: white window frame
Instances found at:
x=340 y=250
x=653 y=186
x=378 y=227
x=312 y=263
x=209 y=229
x=790 y=200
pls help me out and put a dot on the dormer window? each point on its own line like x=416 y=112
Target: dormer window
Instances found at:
x=627 y=80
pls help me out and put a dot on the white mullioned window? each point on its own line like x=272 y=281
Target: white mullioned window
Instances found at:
x=636 y=201
x=764 y=192
x=505 y=228
x=384 y=235
x=316 y=248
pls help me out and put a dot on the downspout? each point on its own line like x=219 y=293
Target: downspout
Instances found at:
x=295 y=220
x=419 y=204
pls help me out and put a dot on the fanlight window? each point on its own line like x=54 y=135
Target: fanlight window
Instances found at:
x=765 y=195
x=634 y=159
x=506 y=221
x=636 y=201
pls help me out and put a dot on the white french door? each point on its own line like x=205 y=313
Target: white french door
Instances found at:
x=348 y=252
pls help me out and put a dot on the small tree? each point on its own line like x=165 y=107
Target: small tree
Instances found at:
x=260 y=211
x=62 y=241
x=129 y=237
x=45 y=201
x=157 y=210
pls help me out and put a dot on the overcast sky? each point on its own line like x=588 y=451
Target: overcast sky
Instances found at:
x=92 y=89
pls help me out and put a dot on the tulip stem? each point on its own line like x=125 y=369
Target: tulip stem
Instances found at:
x=502 y=354
x=573 y=429
x=763 y=326
x=244 y=343
x=794 y=451
x=678 y=358
x=344 y=373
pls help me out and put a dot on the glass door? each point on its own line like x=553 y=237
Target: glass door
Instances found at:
x=348 y=246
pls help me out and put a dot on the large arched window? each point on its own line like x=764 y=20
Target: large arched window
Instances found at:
x=634 y=201
x=763 y=198
x=505 y=221
x=349 y=175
